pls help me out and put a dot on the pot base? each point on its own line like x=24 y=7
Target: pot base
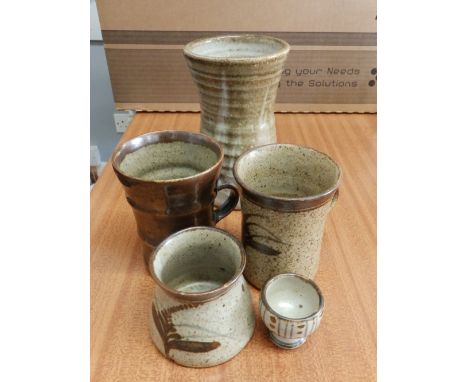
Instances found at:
x=285 y=343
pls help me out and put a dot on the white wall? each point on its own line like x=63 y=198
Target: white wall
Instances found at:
x=102 y=128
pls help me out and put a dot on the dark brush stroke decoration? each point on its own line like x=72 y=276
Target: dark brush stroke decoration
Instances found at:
x=173 y=340
x=251 y=239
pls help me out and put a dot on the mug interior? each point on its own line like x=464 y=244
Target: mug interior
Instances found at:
x=287 y=171
x=168 y=160
x=197 y=260
x=246 y=46
x=292 y=297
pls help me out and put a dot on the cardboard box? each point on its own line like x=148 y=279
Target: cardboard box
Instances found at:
x=331 y=66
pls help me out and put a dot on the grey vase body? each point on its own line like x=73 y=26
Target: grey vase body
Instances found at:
x=237 y=78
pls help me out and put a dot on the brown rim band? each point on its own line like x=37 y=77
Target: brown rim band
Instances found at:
x=287 y=205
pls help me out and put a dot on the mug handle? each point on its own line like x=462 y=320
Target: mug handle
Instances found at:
x=229 y=204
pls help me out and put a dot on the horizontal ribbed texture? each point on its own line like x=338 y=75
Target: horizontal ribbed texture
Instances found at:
x=236 y=101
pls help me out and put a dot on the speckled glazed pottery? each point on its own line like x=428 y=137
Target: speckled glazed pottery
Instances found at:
x=287 y=192
x=237 y=78
x=202 y=312
x=170 y=180
x=291 y=307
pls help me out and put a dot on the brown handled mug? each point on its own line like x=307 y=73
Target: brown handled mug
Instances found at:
x=170 y=180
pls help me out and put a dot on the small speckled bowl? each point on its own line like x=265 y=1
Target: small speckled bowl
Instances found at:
x=291 y=307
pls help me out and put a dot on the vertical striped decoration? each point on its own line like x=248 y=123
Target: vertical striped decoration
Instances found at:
x=289 y=329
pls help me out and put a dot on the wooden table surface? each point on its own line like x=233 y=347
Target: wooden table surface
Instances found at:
x=344 y=346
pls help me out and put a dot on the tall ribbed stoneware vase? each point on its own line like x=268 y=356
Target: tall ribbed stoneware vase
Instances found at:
x=237 y=78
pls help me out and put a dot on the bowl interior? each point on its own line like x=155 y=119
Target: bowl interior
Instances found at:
x=292 y=297
x=168 y=161
x=197 y=260
x=287 y=171
x=236 y=47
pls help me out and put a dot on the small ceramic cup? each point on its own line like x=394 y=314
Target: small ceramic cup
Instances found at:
x=287 y=193
x=170 y=180
x=291 y=307
x=202 y=312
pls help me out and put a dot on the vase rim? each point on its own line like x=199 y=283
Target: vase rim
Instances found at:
x=283 y=48
x=204 y=296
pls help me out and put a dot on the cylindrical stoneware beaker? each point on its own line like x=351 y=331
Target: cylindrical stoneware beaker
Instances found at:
x=202 y=313
x=287 y=192
x=170 y=179
x=237 y=78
